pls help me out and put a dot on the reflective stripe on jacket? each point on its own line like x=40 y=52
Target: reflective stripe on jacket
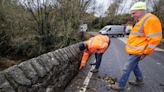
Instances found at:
x=98 y=44
x=145 y=35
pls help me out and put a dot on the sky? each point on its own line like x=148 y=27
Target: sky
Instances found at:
x=102 y=6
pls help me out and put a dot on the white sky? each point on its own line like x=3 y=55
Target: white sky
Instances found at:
x=104 y=3
x=102 y=6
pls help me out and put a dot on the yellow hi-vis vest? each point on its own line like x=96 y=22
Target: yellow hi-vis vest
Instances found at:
x=145 y=35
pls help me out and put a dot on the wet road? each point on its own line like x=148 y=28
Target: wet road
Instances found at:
x=112 y=64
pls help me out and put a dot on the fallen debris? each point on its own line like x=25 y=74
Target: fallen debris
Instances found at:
x=110 y=80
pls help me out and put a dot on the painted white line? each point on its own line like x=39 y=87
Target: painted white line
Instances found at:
x=125 y=41
x=87 y=79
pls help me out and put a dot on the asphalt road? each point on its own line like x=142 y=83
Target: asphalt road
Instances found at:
x=112 y=64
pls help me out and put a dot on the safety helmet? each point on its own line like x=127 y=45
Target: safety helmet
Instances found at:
x=139 y=6
x=82 y=46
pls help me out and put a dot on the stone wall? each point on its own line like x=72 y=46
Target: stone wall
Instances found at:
x=50 y=72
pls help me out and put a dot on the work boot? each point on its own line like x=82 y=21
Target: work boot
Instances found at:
x=136 y=83
x=92 y=63
x=116 y=87
x=95 y=70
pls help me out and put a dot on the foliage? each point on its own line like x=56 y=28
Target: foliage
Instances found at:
x=119 y=19
x=33 y=27
x=159 y=11
x=29 y=28
x=113 y=17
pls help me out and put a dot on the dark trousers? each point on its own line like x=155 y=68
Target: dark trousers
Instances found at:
x=98 y=57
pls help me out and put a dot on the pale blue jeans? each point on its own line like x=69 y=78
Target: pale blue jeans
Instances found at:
x=131 y=65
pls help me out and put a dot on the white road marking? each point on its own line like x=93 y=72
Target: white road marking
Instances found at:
x=125 y=41
x=87 y=79
x=158 y=63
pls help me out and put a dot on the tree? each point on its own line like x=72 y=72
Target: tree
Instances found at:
x=158 y=10
x=32 y=27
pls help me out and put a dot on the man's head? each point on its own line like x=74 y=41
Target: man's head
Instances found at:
x=138 y=10
x=82 y=46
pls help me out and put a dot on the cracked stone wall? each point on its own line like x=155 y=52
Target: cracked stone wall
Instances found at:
x=50 y=72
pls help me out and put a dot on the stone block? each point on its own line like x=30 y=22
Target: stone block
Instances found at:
x=29 y=71
x=38 y=68
x=16 y=76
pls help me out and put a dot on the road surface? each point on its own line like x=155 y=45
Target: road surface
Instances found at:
x=112 y=64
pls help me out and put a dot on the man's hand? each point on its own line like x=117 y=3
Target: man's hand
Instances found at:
x=142 y=56
x=82 y=65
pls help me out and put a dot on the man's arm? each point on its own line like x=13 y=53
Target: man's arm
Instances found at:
x=153 y=31
x=84 y=59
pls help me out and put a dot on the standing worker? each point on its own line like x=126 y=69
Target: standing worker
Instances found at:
x=98 y=45
x=145 y=35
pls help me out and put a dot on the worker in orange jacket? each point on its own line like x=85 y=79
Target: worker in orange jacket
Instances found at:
x=145 y=35
x=97 y=44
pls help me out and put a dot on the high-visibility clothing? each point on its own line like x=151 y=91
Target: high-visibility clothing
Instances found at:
x=145 y=35
x=84 y=59
x=97 y=44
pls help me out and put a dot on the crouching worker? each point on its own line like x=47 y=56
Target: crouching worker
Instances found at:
x=98 y=45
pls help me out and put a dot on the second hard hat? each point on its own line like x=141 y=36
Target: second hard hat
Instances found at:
x=139 y=6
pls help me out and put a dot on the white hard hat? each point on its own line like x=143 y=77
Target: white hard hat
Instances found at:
x=139 y=6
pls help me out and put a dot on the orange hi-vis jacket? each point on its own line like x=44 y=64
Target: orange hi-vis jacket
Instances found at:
x=97 y=44
x=145 y=35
